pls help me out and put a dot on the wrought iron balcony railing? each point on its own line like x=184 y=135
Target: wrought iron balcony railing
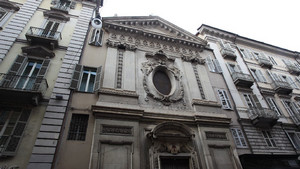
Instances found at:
x=282 y=87
x=293 y=69
x=242 y=80
x=264 y=62
x=44 y=33
x=21 y=89
x=263 y=118
x=228 y=53
x=62 y=6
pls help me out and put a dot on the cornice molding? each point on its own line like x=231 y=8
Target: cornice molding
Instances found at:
x=201 y=44
x=56 y=15
x=205 y=103
x=118 y=92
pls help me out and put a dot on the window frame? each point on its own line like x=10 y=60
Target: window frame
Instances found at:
x=82 y=119
x=239 y=138
x=223 y=96
x=269 y=139
x=296 y=135
x=273 y=105
x=88 y=79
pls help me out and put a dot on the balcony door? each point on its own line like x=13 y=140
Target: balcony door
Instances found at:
x=50 y=29
x=29 y=75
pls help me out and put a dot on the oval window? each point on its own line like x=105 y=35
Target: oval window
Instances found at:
x=162 y=82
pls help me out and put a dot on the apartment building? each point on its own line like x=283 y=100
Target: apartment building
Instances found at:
x=263 y=81
x=36 y=39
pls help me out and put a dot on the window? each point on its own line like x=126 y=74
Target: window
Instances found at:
x=249 y=100
x=239 y=138
x=86 y=79
x=213 y=65
x=269 y=139
x=273 y=105
x=234 y=68
x=272 y=60
x=26 y=73
x=295 y=139
x=96 y=38
x=258 y=76
x=78 y=126
x=290 y=107
x=51 y=29
x=12 y=126
x=246 y=53
x=162 y=82
x=224 y=99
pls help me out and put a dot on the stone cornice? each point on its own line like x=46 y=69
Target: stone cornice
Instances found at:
x=200 y=44
x=205 y=103
x=101 y=110
x=118 y=92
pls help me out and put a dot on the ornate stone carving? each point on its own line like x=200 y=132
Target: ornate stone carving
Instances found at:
x=115 y=44
x=216 y=135
x=193 y=59
x=159 y=61
x=122 y=130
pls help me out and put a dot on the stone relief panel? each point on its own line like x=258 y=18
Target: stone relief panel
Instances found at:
x=162 y=79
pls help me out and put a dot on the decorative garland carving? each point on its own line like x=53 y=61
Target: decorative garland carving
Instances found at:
x=113 y=43
x=193 y=59
x=161 y=61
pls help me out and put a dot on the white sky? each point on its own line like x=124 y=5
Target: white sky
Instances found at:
x=275 y=22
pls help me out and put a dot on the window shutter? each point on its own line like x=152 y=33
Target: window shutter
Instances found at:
x=227 y=100
x=238 y=137
x=224 y=99
x=72 y=5
x=291 y=82
x=257 y=103
x=254 y=74
x=98 y=78
x=47 y=29
x=289 y=110
x=41 y=75
x=15 y=138
x=11 y=79
x=295 y=107
x=273 y=105
x=249 y=54
x=261 y=76
x=54 y=29
x=54 y=2
x=210 y=64
x=217 y=65
x=230 y=68
x=76 y=76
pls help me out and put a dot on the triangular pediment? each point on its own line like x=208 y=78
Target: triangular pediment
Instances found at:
x=152 y=26
x=38 y=51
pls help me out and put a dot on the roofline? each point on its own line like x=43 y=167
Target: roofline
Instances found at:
x=242 y=37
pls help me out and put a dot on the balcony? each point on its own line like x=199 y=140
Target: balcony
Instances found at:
x=265 y=62
x=282 y=87
x=62 y=6
x=263 y=118
x=242 y=80
x=228 y=53
x=293 y=69
x=18 y=89
x=43 y=36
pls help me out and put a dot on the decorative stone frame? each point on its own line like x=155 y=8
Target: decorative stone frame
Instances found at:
x=159 y=61
x=172 y=139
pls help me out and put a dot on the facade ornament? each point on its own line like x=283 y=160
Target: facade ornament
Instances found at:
x=116 y=44
x=193 y=59
x=159 y=62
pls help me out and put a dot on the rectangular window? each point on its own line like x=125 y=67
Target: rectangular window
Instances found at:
x=78 y=126
x=239 y=138
x=12 y=126
x=29 y=75
x=273 y=105
x=295 y=139
x=249 y=100
x=246 y=53
x=213 y=65
x=258 y=76
x=224 y=99
x=272 y=60
x=86 y=79
x=291 y=108
x=269 y=139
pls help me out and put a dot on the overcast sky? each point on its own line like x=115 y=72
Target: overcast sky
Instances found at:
x=275 y=22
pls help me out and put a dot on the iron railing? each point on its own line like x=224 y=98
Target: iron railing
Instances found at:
x=264 y=60
x=241 y=76
x=44 y=33
x=64 y=6
x=262 y=113
x=23 y=83
x=225 y=51
x=280 y=84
